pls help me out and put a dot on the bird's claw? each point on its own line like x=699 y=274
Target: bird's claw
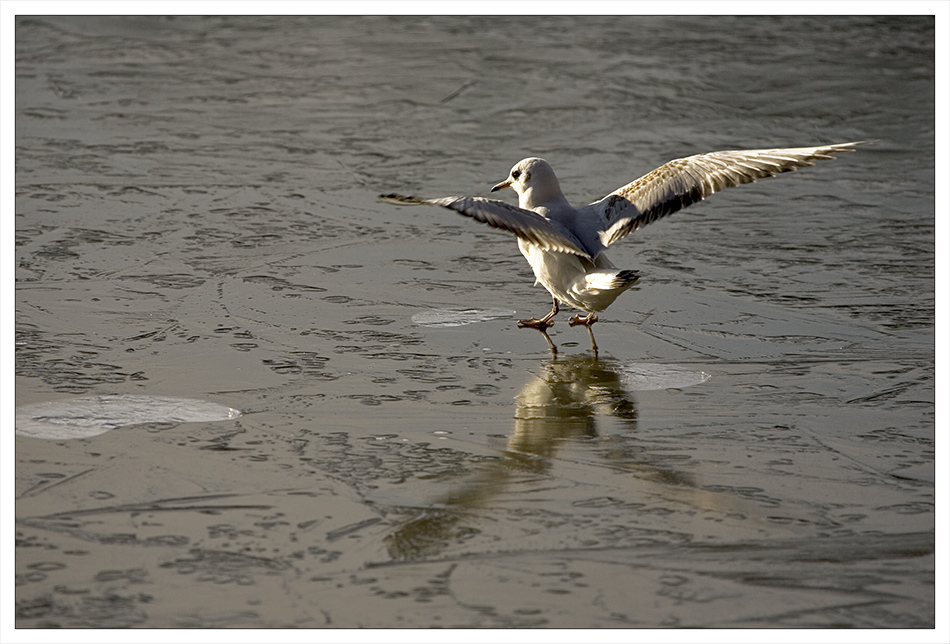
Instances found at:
x=576 y=320
x=535 y=323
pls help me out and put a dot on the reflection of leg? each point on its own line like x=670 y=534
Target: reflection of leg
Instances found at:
x=587 y=321
x=541 y=324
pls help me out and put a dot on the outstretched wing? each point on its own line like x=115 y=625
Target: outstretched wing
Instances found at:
x=685 y=181
x=526 y=224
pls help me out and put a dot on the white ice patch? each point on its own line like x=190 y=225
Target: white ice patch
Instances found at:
x=650 y=377
x=92 y=415
x=455 y=317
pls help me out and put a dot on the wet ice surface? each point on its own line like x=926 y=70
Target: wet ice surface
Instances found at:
x=196 y=218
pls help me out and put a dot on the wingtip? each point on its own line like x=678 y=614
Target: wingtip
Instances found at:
x=829 y=151
x=849 y=147
x=401 y=200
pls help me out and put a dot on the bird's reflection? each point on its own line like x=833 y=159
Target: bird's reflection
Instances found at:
x=564 y=402
x=558 y=407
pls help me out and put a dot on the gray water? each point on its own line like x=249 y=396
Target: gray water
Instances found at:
x=197 y=218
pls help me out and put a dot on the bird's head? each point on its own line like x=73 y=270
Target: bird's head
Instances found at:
x=534 y=181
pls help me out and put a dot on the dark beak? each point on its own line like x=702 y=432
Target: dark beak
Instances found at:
x=504 y=184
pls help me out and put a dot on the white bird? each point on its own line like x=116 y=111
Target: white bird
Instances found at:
x=565 y=245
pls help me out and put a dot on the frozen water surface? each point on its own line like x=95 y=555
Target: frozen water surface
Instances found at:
x=197 y=218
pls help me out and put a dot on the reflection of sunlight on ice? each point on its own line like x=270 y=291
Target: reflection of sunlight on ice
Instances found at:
x=93 y=415
x=648 y=377
x=453 y=317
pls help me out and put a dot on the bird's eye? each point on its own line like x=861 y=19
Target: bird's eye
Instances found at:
x=516 y=174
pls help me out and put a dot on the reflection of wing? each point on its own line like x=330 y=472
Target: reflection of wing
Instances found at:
x=685 y=181
x=527 y=225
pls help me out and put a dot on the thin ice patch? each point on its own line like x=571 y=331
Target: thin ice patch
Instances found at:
x=455 y=317
x=92 y=415
x=650 y=377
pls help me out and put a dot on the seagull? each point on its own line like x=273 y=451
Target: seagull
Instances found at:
x=565 y=245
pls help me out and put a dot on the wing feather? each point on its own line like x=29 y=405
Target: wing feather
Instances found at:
x=528 y=225
x=681 y=182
